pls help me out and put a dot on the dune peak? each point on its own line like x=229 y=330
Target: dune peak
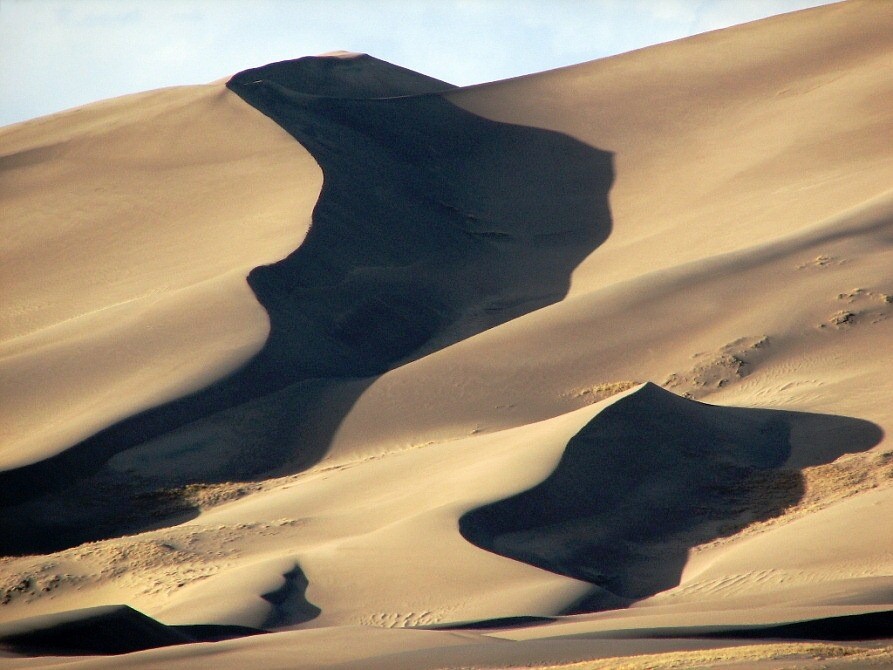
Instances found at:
x=342 y=54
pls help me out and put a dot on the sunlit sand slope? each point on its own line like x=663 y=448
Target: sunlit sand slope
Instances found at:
x=589 y=364
x=128 y=228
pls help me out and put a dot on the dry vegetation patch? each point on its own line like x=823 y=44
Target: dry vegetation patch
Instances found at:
x=717 y=369
x=862 y=306
x=597 y=392
x=823 y=486
x=196 y=496
x=801 y=655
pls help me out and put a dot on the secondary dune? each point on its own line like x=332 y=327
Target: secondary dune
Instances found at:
x=587 y=364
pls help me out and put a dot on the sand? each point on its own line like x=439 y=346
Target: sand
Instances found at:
x=337 y=365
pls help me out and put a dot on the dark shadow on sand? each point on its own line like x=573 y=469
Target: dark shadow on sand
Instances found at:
x=433 y=224
x=290 y=604
x=864 y=626
x=105 y=630
x=850 y=627
x=120 y=629
x=650 y=477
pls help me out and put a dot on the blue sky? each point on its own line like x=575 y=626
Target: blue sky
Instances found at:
x=56 y=54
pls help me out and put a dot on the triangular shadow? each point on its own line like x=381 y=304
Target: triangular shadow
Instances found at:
x=648 y=478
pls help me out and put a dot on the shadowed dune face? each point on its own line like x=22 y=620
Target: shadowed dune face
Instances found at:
x=105 y=630
x=114 y=629
x=290 y=604
x=433 y=224
x=344 y=76
x=650 y=477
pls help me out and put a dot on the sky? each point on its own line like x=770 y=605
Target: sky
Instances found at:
x=57 y=54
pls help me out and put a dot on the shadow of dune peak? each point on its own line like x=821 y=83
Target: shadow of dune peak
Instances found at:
x=648 y=478
x=289 y=602
x=433 y=224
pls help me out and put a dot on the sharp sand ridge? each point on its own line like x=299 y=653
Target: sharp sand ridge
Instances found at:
x=334 y=364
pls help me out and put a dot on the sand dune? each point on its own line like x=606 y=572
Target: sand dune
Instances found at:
x=338 y=365
x=146 y=216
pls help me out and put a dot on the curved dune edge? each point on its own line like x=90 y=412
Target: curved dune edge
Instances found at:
x=735 y=274
x=147 y=212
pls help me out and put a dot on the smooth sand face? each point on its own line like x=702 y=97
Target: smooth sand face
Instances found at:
x=129 y=227
x=746 y=265
x=720 y=153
